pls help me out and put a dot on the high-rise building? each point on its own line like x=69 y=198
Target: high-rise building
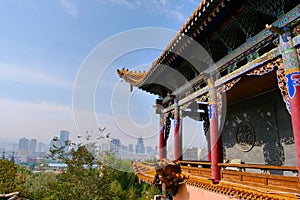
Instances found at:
x=115 y=145
x=23 y=148
x=32 y=145
x=140 y=147
x=23 y=143
x=41 y=147
x=64 y=137
x=130 y=148
x=149 y=149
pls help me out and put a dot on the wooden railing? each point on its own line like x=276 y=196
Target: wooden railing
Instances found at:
x=264 y=179
x=261 y=167
x=201 y=169
x=240 y=183
x=239 y=173
x=195 y=163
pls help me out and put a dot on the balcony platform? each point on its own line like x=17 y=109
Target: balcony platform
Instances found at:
x=234 y=184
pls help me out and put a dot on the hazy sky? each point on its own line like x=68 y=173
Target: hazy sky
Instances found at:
x=44 y=45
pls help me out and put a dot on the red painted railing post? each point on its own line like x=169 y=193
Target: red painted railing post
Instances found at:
x=177 y=132
x=162 y=143
x=208 y=147
x=213 y=129
x=292 y=72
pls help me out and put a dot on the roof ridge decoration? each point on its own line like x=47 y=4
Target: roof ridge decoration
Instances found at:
x=134 y=78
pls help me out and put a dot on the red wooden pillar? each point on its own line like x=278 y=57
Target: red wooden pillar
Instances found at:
x=213 y=129
x=292 y=72
x=208 y=147
x=162 y=143
x=177 y=132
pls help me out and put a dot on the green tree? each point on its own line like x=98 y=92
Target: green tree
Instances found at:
x=132 y=193
x=81 y=180
x=116 y=190
x=110 y=178
x=8 y=175
x=87 y=177
x=12 y=177
x=148 y=192
x=40 y=185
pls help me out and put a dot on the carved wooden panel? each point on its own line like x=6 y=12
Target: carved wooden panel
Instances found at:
x=245 y=136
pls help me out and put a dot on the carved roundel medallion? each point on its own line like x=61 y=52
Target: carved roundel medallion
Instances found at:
x=245 y=136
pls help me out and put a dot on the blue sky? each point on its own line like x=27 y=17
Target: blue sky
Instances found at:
x=43 y=45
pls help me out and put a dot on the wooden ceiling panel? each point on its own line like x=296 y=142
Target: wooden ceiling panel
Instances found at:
x=250 y=86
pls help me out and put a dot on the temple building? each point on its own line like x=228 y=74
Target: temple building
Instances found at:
x=234 y=67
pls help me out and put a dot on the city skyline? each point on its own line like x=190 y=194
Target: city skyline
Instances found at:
x=15 y=144
x=31 y=150
x=196 y=140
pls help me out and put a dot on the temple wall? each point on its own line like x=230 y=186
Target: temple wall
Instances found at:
x=186 y=192
x=286 y=133
x=258 y=130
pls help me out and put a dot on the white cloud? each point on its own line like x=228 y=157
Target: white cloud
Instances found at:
x=174 y=13
x=129 y=4
x=44 y=120
x=24 y=75
x=34 y=120
x=70 y=7
x=171 y=9
x=176 y=10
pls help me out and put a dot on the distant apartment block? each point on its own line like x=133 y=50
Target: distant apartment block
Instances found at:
x=23 y=143
x=23 y=148
x=64 y=137
x=140 y=147
x=130 y=148
x=32 y=145
x=115 y=145
x=42 y=147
